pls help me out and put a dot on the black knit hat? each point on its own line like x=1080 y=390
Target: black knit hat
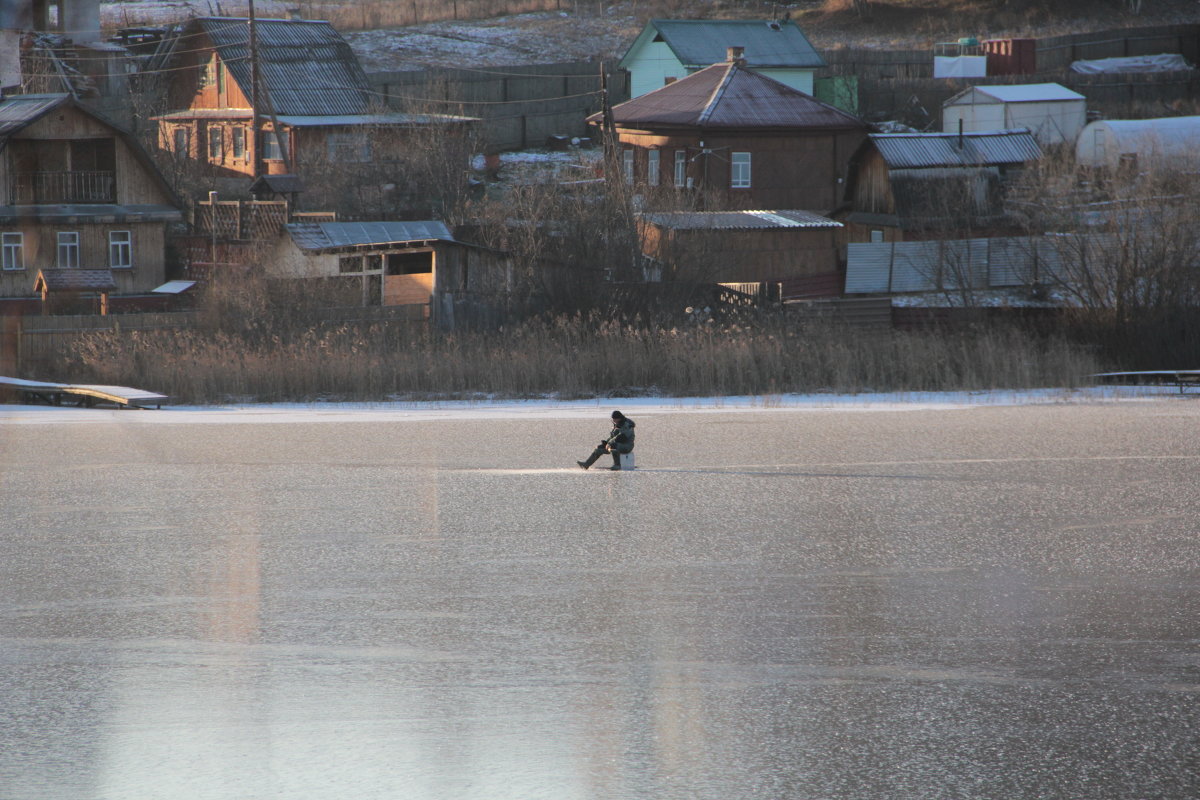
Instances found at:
x=618 y=415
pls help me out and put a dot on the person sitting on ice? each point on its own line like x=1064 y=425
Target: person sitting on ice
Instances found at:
x=620 y=440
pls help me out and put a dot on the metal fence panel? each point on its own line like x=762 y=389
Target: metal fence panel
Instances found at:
x=868 y=267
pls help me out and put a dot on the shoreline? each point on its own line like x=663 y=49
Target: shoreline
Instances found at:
x=549 y=408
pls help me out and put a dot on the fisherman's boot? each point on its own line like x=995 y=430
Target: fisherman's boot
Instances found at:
x=616 y=460
x=591 y=459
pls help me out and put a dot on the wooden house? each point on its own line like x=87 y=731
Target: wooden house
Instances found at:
x=312 y=104
x=77 y=192
x=741 y=139
x=669 y=49
x=738 y=246
x=906 y=186
x=391 y=264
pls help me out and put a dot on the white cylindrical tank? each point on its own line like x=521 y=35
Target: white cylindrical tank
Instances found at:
x=1110 y=143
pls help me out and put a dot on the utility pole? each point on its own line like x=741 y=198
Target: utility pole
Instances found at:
x=255 y=139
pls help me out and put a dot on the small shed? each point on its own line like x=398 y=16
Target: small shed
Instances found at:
x=738 y=246
x=391 y=263
x=1138 y=143
x=1052 y=112
x=67 y=289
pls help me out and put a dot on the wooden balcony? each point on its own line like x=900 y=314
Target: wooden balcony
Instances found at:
x=49 y=188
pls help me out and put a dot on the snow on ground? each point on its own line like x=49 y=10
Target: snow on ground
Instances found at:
x=276 y=413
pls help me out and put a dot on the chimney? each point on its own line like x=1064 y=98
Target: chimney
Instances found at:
x=735 y=55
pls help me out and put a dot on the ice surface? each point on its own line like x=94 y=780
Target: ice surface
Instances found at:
x=957 y=596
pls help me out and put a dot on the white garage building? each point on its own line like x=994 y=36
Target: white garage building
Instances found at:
x=1052 y=112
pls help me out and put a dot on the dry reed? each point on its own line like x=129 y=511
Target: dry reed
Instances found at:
x=574 y=356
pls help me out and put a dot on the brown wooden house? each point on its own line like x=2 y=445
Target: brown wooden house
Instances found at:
x=739 y=136
x=77 y=193
x=311 y=106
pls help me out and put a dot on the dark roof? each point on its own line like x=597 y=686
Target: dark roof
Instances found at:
x=700 y=42
x=331 y=235
x=20 y=110
x=307 y=67
x=986 y=148
x=75 y=280
x=278 y=184
x=781 y=219
x=732 y=97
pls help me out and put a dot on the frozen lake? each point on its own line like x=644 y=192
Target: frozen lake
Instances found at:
x=954 y=601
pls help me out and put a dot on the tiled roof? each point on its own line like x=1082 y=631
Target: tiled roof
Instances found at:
x=739 y=220
x=306 y=66
x=727 y=96
x=700 y=42
x=76 y=280
x=328 y=235
x=989 y=148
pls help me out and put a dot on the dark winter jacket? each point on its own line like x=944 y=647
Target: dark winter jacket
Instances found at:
x=621 y=436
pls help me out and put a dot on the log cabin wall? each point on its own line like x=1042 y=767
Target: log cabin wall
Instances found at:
x=788 y=171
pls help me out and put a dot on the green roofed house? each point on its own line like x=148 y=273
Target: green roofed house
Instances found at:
x=669 y=49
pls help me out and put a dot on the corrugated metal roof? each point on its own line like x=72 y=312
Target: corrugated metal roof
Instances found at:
x=731 y=97
x=700 y=42
x=1022 y=93
x=394 y=118
x=306 y=66
x=739 y=220
x=20 y=110
x=920 y=150
x=328 y=235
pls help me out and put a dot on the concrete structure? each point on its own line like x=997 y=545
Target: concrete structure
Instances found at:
x=1053 y=113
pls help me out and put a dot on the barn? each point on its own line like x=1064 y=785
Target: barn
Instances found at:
x=1053 y=113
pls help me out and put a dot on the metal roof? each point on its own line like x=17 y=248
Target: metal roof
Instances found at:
x=76 y=280
x=20 y=110
x=731 y=97
x=329 y=235
x=392 y=118
x=700 y=42
x=921 y=150
x=1021 y=93
x=91 y=213
x=739 y=220
x=174 y=287
x=307 y=67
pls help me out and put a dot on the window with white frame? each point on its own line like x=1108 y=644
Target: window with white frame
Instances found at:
x=120 y=249
x=876 y=236
x=12 y=246
x=652 y=168
x=239 y=142
x=68 y=249
x=181 y=141
x=739 y=171
x=349 y=147
x=627 y=163
x=681 y=168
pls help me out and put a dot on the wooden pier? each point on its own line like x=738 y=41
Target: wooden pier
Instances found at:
x=81 y=394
